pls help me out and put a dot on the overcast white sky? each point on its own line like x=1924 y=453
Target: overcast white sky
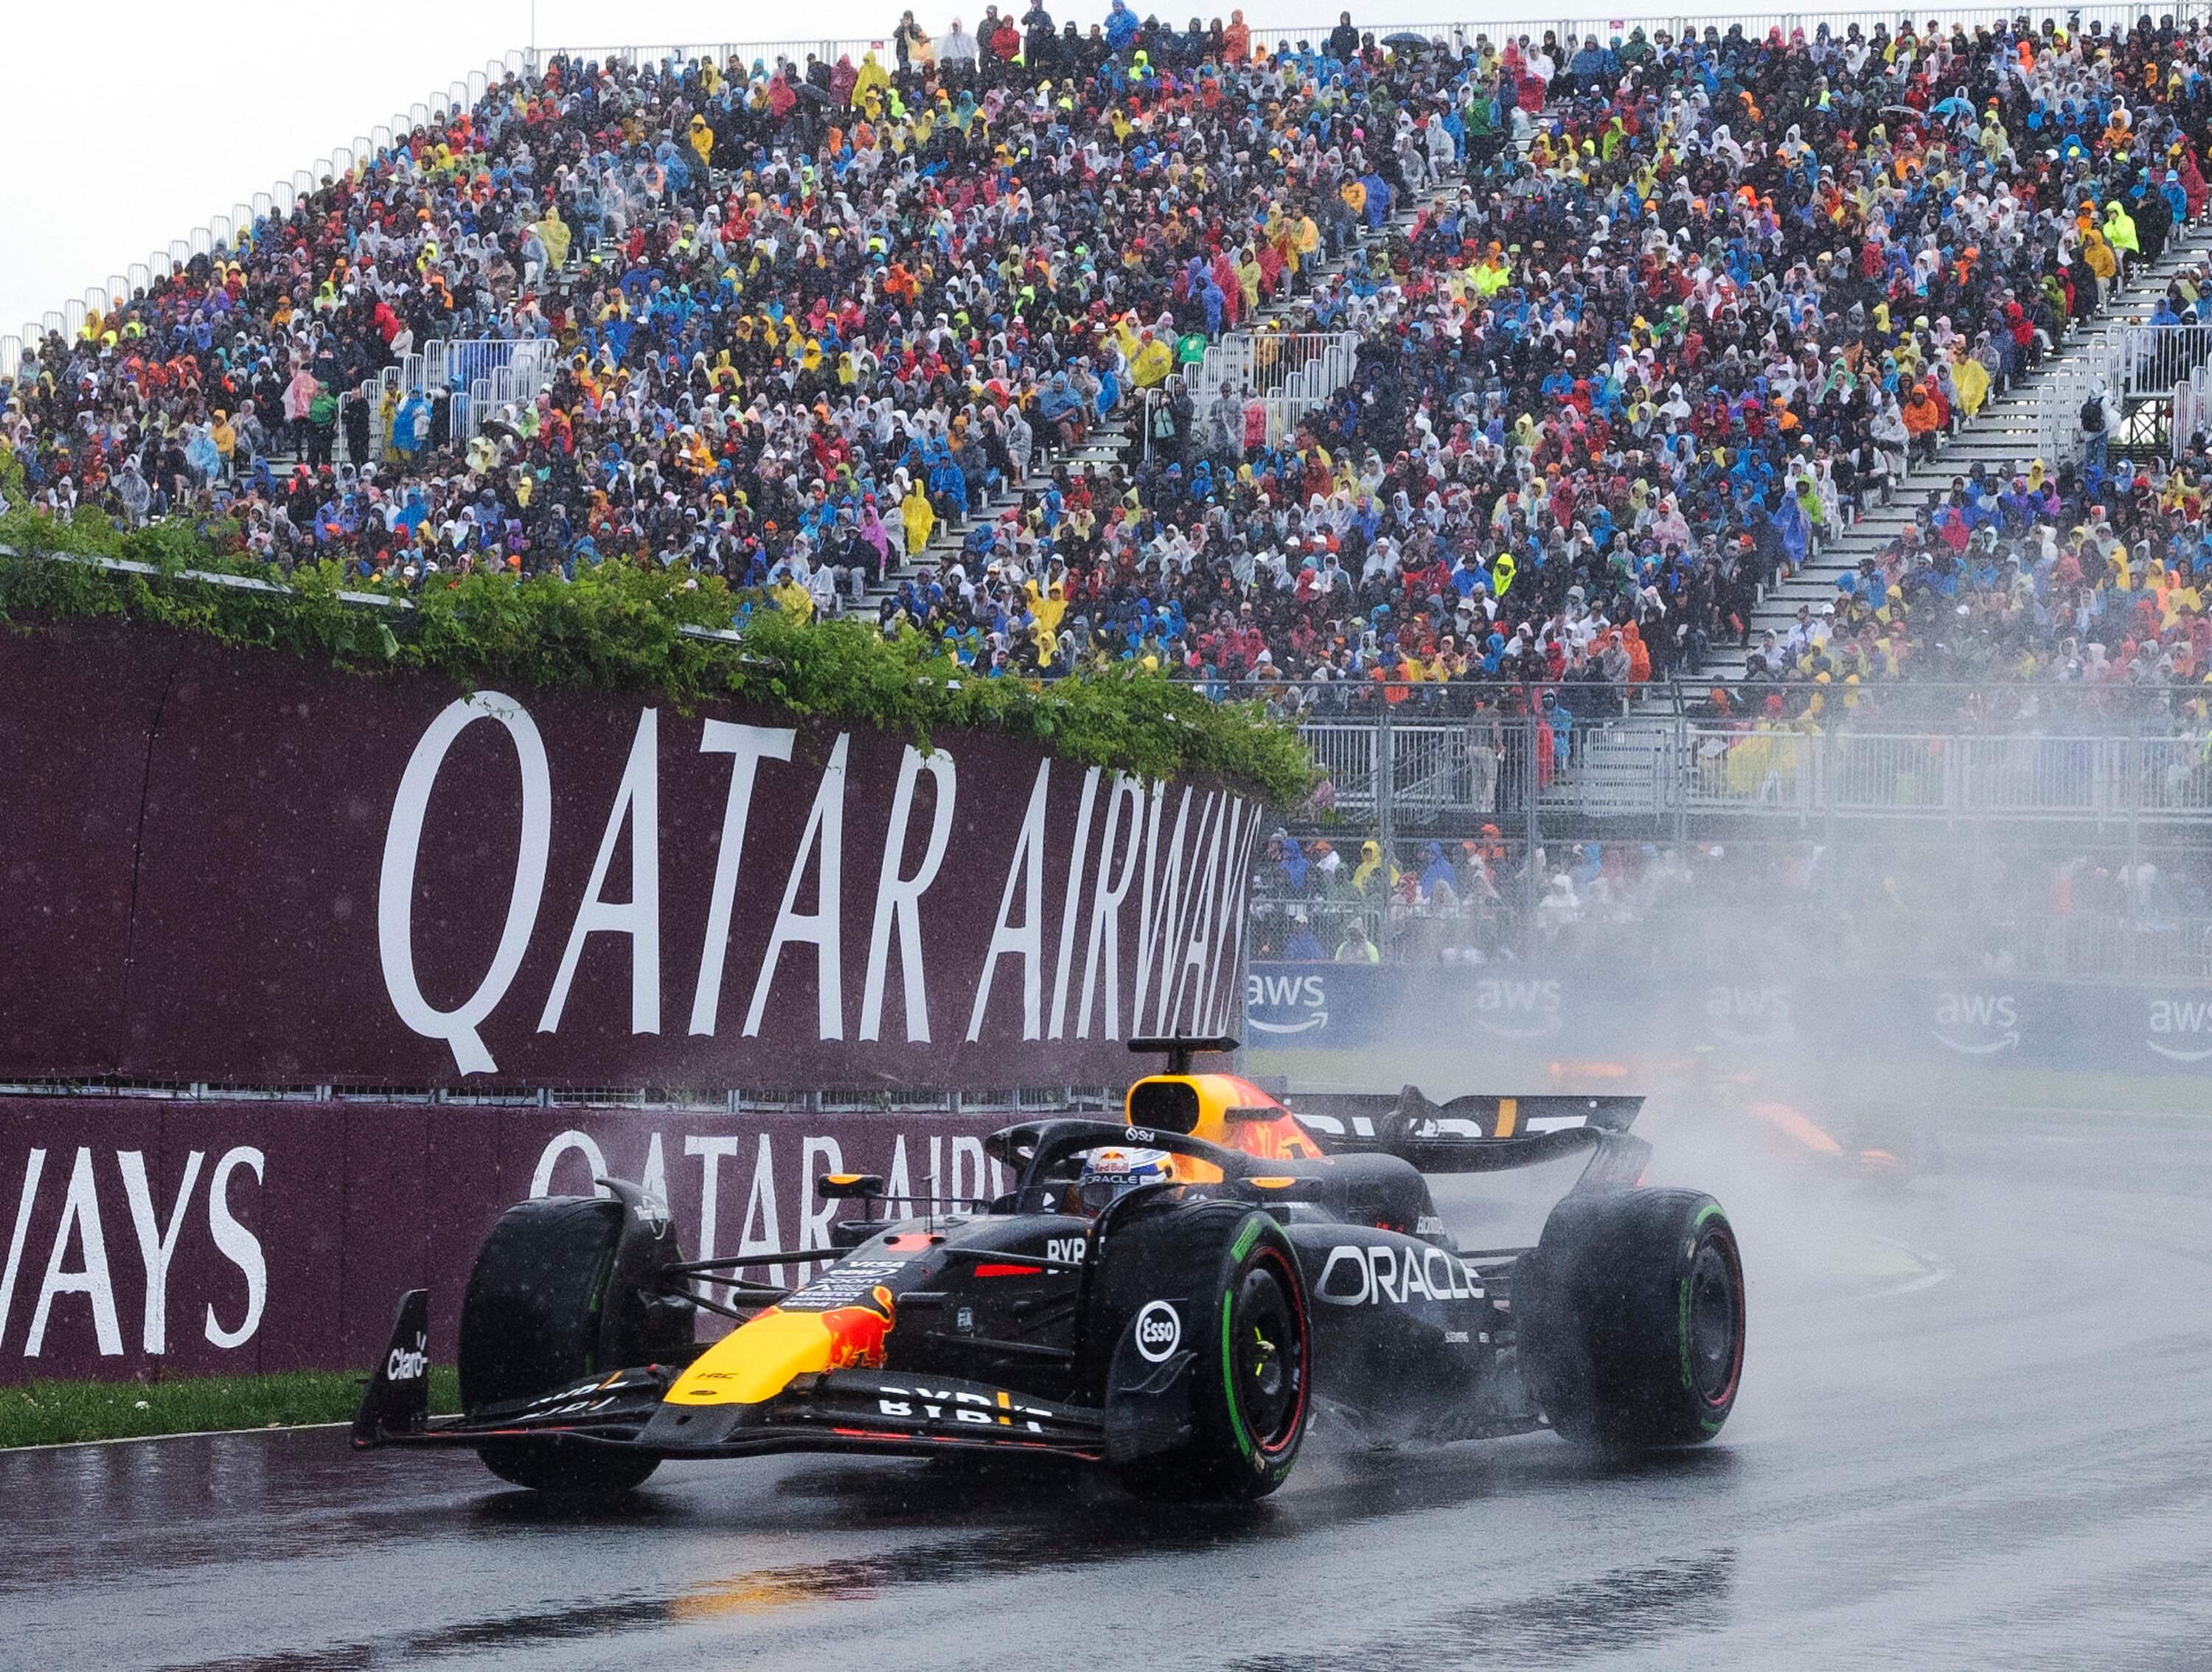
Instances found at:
x=119 y=134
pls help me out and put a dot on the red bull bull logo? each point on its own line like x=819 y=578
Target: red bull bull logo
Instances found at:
x=856 y=1333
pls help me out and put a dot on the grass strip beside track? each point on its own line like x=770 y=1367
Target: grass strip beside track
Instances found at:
x=60 y=1412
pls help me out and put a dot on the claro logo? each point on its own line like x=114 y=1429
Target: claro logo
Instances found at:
x=1976 y=1024
x=1516 y=1009
x=1299 y=1003
x=2181 y=1029
x=408 y=1364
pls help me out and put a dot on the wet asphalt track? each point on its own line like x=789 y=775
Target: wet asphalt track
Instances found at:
x=1976 y=1430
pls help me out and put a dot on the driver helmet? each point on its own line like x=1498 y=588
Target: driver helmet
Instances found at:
x=1109 y=1173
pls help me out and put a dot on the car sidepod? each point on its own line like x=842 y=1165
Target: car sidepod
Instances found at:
x=1411 y=1342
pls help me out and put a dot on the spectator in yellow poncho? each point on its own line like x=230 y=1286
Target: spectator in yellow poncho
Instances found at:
x=553 y=233
x=1971 y=380
x=873 y=78
x=1150 y=359
x=919 y=517
x=2120 y=227
x=792 y=598
x=1370 y=868
x=1048 y=607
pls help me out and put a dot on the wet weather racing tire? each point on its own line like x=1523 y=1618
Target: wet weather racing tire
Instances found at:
x=1251 y=1334
x=1632 y=1318
x=531 y=1323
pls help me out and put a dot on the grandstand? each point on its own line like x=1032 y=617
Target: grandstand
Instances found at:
x=1557 y=362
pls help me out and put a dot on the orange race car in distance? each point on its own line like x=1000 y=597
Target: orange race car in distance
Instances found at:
x=1173 y=1296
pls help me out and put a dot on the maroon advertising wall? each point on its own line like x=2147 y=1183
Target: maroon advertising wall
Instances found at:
x=278 y=1235
x=244 y=869
x=247 y=868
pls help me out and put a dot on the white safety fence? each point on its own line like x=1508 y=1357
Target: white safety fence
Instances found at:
x=2192 y=410
x=1263 y=361
x=1287 y=373
x=1686 y=767
x=484 y=377
x=2126 y=363
x=1859 y=775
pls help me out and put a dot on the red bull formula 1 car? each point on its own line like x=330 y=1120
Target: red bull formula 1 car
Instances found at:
x=1175 y=1295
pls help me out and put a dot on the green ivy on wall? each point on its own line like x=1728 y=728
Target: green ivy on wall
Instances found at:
x=621 y=627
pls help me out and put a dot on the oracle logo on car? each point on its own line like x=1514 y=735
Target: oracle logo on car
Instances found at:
x=1159 y=1331
x=1357 y=1275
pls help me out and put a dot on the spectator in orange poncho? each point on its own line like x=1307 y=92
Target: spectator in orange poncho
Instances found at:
x=1922 y=418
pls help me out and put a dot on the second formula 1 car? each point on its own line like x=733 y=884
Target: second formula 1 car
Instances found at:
x=1174 y=1296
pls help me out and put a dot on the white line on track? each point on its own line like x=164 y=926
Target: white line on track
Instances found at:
x=189 y=1434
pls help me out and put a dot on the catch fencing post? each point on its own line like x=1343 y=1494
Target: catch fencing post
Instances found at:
x=2132 y=787
x=1386 y=774
x=1532 y=833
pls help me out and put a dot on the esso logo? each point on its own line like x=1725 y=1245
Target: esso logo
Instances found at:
x=406 y=1366
x=1159 y=1331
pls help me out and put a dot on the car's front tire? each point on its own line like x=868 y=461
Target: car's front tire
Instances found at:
x=1632 y=1318
x=1244 y=1321
x=534 y=1319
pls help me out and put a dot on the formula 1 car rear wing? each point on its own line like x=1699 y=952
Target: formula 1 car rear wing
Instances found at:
x=1476 y=1134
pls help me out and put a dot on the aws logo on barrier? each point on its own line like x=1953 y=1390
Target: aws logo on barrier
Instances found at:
x=1516 y=1009
x=1748 y=1015
x=1299 y=1004
x=1976 y=1024
x=2180 y=1029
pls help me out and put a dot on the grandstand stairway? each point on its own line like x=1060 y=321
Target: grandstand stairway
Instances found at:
x=2009 y=433
x=1618 y=767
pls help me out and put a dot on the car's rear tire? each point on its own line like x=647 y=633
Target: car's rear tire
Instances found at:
x=1631 y=1316
x=1251 y=1334
x=533 y=1320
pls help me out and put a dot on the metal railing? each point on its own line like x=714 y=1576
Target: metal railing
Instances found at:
x=2127 y=363
x=1662 y=770
x=483 y=376
x=1264 y=362
x=2192 y=410
x=1288 y=373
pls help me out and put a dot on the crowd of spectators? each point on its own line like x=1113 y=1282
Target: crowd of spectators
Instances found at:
x=1644 y=322
x=1748 y=911
x=2096 y=576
